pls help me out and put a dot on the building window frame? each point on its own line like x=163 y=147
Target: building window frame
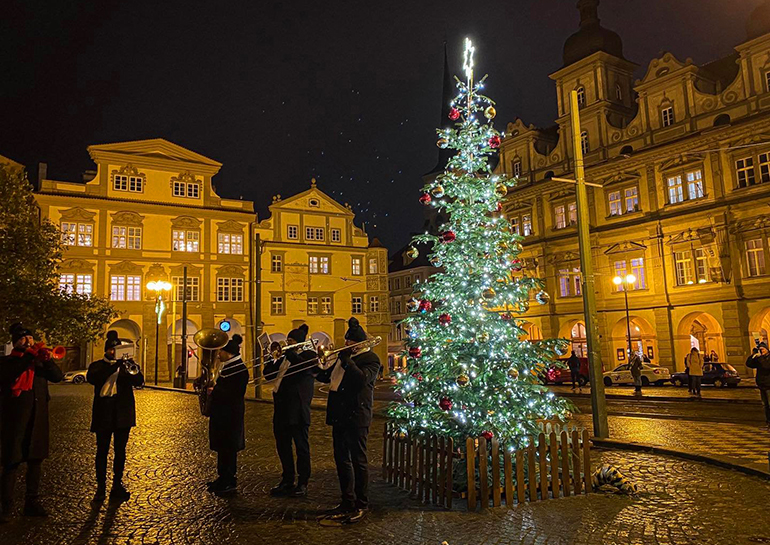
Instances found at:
x=751 y=170
x=292 y=232
x=581 y=95
x=230 y=243
x=276 y=263
x=618 y=92
x=77 y=233
x=570 y=281
x=622 y=199
x=521 y=223
x=667 y=117
x=516 y=168
x=684 y=185
x=691 y=265
x=356 y=265
x=80 y=283
x=635 y=265
x=755 y=257
x=126 y=237
x=277 y=304
x=585 y=144
x=125 y=287
x=374 y=303
x=128 y=182
x=229 y=289
x=356 y=303
x=319 y=264
x=316 y=234
x=374 y=265
x=335 y=235
x=193 y=288
x=185 y=240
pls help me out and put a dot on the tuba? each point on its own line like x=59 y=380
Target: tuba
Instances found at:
x=210 y=340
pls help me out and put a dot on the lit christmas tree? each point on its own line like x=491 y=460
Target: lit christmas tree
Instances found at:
x=469 y=373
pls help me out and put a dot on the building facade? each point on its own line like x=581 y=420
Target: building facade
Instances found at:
x=148 y=211
x=319 y=268
x=682 y=158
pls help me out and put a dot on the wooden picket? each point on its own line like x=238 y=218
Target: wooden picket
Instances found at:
x=556 y=463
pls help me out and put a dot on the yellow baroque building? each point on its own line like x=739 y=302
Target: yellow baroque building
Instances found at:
x=682 y=160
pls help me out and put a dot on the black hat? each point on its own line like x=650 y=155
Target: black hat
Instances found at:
x=762 y=345
x=18 y=331
x=233 y=346
x=300 y=334
x=355 y=332
x=112 y=340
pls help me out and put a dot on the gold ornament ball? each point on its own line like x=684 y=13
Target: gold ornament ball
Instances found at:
x=490 y=413
x=490 y=112
x=412 y=253
x=437 y=191
x=488 y=293
x=500 y=189
x=443 y=143
x=462 y=380
x=483 y=336
x=513 y=373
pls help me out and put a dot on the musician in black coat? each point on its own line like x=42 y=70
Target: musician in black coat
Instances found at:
x=293 y=384
x=113 y=415
x=349 y=411
x=24 y=377
x=226 y=431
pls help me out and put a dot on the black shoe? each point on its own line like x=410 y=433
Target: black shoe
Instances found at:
x=119 y=493
x=356 y=516
x=100 y=495
x=33 y=508
x=282 y=489
x=299 y=491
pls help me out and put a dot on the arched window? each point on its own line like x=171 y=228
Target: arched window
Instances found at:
x=723 y=119
x=626 y=150
x=584 y=142
x=618 y=92
x=581 y=95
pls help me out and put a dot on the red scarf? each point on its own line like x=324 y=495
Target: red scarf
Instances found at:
x=25 y=380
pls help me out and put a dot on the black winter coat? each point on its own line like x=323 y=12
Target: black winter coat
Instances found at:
x=119 y=411
x=24 y=420
x=762 y=365
x=292 y=400
x=351 y=404
x=226 y=431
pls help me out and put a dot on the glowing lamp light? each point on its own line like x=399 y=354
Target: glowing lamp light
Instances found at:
x=224 y=325
x=159 y=285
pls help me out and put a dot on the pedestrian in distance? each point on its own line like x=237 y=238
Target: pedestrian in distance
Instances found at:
x=760 y=360
x=293 y=386
x=574 y=369
x=687 y=372
x=349 y=412
x=112 y=416
x=636 y=372
x=226 y=428
x=24 y=377
x=695 y=364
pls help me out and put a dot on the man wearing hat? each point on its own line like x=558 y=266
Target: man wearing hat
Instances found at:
x=760 y=360
x=113 y=414
x=24 y=377
x=293 y=383
x=349 y=412
x=226 y=431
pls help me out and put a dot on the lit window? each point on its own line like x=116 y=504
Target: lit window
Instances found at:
x=701 y=266
x=318 y=264
x=336 y=235
x=127 y=237
x=185 y=241
x=569 y=282
x=314 y=233
x=276 y=263
x=276 y=304
x=326 y=305
x=618 y=92
x=675 y=190
x=631 y=197
x=764 y=167
x=67 y=283
x=620 y=270
x=84 y=284
x=744 y=170
x=683 y=265
x=374 y=303
x=581 y=96
x=515 y=225
x=667 y=116
x=372 y=265
x=526 y=223
x=584 y=142
x=572 y=207
x=355 y=266
x=230 y=243
x=230 y=290
x=616 y=208
x=77 y=234
x=357 y=304
x=312 y=305
x=193 y=288
x=292 y=232
x=755 y=257
x=324 y=265
x=125 y=288
x=560 y=217
x=694 y=185
x=516 y=169
x=637 y=269
x=313 y=264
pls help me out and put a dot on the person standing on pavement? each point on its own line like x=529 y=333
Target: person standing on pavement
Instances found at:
x=695 y=363
x=574 y=369
x=24 y=377
x=349 y=412
x=636 y=372
x=293 y=388
x=113 y=415
x=226 y=429
x=760 y=360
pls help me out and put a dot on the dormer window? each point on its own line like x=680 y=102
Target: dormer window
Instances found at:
x=618 y=92
x=185 y=185
x=121 y=182
x=315 y=203
x=667 y=116
x=584 y=142
x=516 y=169
x=581 y=96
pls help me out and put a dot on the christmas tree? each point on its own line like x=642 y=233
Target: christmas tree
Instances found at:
x=470 y=371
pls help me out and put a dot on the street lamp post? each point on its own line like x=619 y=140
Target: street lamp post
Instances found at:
x=158 y=287
x=629 y=280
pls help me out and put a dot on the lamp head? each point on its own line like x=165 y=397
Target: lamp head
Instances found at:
x=617 y=280
x=630 y=279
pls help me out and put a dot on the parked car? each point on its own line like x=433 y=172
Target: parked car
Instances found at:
x=718 y=374
x=75 y=377
x=651 y=374
x=561 y=375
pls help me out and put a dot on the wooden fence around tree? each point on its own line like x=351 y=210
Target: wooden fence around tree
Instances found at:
x=556 y=463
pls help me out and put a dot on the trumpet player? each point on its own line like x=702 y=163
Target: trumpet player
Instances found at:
x=349 y=412
x=293 y=382
x=113 y=415
x=24 y=377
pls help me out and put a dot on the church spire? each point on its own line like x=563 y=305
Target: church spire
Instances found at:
x=589 y=12
x=447 y=94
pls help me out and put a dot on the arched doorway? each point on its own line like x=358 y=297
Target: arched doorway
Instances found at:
x=231 y=326
x=643 y=339
x=129 y=333
x=702 y=331
x=759 y=326
x=174 y=340
x=575 y=332
x=532 y=332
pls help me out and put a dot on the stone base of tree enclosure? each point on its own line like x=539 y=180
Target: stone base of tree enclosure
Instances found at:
x=433 y=469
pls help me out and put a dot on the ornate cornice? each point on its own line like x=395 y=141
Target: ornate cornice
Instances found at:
x=126 y=217
x=230 y=226
x=126 y=267
x=186 y=222
x=231 y=271
x=78 y=214
x=76 y=265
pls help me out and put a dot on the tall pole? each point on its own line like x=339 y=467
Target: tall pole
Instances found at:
x=628 y=321
x=157 y=333
x=183 y=374
x=257 y=260
x=595 y=371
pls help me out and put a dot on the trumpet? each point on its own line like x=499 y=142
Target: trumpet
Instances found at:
x=327 y=358
x=277 y=350
x=129 y=365
x=42 y=352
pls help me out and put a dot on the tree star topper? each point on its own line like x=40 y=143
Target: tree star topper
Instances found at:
x=468 y=61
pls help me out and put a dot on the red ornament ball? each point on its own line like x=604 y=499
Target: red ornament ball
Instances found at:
x=425 y=198
x=418 y=376
x=426 y=306
x=506 y=316
x=415 y=352
x=445 y=319
x=445 y=404
x=494 y=142
x=454 y=114
x=488 y=435
x=517 y=264
x=499 y=207
x=448 y=236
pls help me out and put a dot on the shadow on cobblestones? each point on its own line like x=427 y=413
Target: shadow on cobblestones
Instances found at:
x=169 y=460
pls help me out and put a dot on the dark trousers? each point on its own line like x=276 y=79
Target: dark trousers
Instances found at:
x=284 y=436
x=575 y=375
x=8 y=482
x=103 y=439
x=696 y=380
x=227 y=464
x=765 y=394
x=352 y=464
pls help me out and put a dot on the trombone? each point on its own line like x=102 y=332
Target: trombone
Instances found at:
x=129 y=364
x=277 y=349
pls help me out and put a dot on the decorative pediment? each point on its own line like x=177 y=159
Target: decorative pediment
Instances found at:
x=230 y=226
x=128 y=170
x=186 y=222
x=680 y=161
x=156 y=272
x=517 y=127
x=563 y=257
x=230 y=271
x=78 y=214
x=625 y=247
x=620 y=177
x=186 y=177
x=750 y=140
x=126 y=217
x=752 y=224
x=192 y=270
x=663 y=66
x=126 y=267
x=158 y=148
x=310 y=200
x=76 y=265
x=704 y=235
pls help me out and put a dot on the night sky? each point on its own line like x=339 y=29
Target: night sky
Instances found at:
x=347 y=92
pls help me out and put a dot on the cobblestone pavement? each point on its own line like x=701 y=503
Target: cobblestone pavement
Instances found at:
x=679 y=502
x=743 y=393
